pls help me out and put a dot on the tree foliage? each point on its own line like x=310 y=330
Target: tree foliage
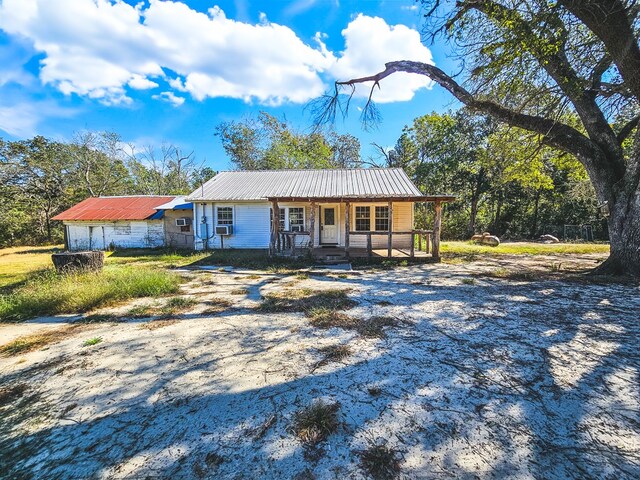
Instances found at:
x=40 y=177
x=506 y=182
x=266 y=143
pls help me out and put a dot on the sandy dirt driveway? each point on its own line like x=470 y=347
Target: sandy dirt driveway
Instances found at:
x=474 y=377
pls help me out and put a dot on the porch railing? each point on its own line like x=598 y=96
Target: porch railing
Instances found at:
x=285 y=242
x=427 y=235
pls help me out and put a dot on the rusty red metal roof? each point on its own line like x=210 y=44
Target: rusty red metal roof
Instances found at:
x=114 y=208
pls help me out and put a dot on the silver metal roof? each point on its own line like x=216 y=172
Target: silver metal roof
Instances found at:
x=338 y=183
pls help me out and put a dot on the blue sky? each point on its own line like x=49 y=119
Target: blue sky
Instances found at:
x=170 y=71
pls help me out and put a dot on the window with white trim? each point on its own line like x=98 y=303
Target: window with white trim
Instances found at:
x=283 y=216
x=382 y=219
x=362 y=219
x=296 y=219
x=225 y=215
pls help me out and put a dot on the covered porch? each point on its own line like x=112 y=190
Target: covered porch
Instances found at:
x=356 y=227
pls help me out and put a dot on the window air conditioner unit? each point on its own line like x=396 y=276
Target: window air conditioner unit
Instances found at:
x=296 y=228
x=224 y=229
x=183 y=222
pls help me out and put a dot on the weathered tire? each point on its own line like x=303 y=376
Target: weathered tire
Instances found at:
x=67 y=262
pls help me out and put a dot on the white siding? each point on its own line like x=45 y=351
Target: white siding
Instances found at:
x=252 y=223
x=122 y=234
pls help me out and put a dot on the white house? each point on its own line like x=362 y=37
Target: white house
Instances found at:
x=349 y=210
x=137 y=221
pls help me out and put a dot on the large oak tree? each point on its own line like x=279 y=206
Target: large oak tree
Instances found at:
x=529 y=62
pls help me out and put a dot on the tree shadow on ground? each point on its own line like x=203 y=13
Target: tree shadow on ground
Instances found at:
x=524 y=380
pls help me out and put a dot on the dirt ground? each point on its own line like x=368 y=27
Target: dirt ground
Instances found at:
x=483 y=375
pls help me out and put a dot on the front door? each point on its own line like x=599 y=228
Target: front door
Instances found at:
x=329 y=230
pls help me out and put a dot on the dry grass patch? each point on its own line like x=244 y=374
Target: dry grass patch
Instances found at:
x=374 y=327
x=216 y=305
x=12 y=393
x=332 y=353
x=29 y=343
x=313 y=424
x=306 y=300
x=328 y=318
x=174 y=306
x=370 y=328
x=101 y=318
x=380 y=462
x=156 y=324
x=240 y=291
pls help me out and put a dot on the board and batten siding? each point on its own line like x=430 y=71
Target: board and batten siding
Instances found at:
x=252 y=224
x=123 y=234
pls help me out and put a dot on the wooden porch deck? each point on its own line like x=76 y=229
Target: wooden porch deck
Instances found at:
x=330 y=253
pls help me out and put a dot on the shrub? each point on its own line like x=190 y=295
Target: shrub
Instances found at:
x=50 y=293
x=316 y=422
x=380 y=462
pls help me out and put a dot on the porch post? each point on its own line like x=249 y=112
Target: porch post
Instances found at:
x=389 y=239
x=347 y=225
x=275 y=225
x=312 y=226
x=413 y=244
x=437 y=224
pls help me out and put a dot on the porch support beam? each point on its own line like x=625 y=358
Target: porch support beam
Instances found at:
x=390 y=234
x=437 y=225
x=275 y=226
x=347 y=225
x=312 y=226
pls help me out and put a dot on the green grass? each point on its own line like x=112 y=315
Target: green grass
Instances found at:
x=17 y=264
x=92 y=341
x=522 y=248
x=49 y=293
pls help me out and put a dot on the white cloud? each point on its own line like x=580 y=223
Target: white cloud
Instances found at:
x=22 y=119
x=170 y=97
x=103 y=49
x=370 y=43
x=138 y=82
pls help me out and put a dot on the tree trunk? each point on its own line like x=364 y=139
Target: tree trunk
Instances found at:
x=536 y=209
x=473 y=215
x=624 y=237
x=496 y=221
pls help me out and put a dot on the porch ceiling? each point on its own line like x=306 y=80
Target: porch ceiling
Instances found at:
x=421 y=198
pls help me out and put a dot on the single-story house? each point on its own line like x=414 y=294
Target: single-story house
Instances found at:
x=135 y=221
x=353 y=211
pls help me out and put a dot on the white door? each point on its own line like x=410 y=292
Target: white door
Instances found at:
x=329 y=226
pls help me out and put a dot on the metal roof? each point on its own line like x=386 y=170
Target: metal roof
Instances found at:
x=178 y=203
x=292 y=184
x=115 y=208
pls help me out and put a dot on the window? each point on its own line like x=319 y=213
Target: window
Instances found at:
x=283 y=215
x=330 y=216
x=225 y=216
x=296 y=219
x=382 y=219
x=363 y=219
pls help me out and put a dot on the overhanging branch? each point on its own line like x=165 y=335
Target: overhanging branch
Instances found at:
x=556 y=134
